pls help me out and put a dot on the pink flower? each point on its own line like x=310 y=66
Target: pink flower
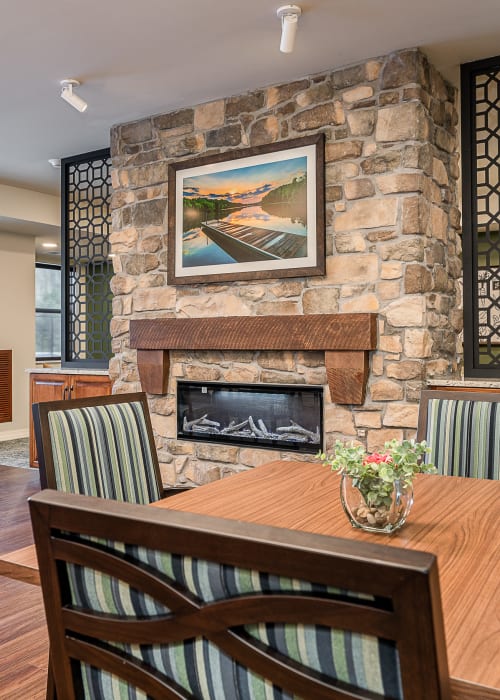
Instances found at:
x=377 y=458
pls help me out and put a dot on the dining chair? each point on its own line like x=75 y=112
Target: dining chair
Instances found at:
x=98 y=446
x=462 y=429
x=144 y=602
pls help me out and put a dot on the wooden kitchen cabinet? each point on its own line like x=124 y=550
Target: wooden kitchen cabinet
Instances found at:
x=48 y=386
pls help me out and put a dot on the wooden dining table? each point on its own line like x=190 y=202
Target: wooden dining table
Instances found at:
x=455 y=518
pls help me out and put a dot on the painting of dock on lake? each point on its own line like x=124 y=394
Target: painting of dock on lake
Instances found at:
x=255 y=213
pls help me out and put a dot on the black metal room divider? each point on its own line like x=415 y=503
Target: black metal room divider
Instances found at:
x=86 y=265
x=481 y=216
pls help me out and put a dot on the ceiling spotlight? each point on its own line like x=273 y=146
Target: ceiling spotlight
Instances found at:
x=289 y=15
x=71 y=97
x=55 y=162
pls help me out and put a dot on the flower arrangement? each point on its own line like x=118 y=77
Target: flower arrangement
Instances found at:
x=376 y=475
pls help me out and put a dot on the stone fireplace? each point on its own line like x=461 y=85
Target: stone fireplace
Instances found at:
x=392 y=250
x=220 y=412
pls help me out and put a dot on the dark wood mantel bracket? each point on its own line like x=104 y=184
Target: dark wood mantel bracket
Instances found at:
x=346 y=340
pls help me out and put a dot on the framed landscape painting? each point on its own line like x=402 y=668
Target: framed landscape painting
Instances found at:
x=255 y=213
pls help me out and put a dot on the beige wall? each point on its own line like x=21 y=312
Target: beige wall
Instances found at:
x=27 y=206
x=17 y=323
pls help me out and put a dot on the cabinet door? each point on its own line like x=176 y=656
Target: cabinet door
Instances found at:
x=82 y=386
x=54 y=387
x=45 y=387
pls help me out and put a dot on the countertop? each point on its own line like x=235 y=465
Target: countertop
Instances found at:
x=63 y=370
x=466 y=383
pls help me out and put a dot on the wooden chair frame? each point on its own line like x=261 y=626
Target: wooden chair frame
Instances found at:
x=407 y=579
x=44 y=443
x=427 y=394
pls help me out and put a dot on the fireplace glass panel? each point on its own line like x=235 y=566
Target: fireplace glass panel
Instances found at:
x=265 y=416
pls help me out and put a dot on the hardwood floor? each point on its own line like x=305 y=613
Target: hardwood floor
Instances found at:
x=16 y=486
x=24 y=646
x=23 y=633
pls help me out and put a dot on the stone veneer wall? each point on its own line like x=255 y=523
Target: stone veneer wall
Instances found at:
x=392 y=241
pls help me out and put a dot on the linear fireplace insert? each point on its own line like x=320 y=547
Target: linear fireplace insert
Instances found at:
x=257 y=415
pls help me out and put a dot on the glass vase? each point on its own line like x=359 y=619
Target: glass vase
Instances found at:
x=376 y=517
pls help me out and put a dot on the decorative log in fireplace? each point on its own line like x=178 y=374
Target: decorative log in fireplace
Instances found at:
x=345 y=338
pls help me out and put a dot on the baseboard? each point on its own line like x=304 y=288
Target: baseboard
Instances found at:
x=14 y=434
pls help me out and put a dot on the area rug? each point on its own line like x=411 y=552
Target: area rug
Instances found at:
x=15 y=453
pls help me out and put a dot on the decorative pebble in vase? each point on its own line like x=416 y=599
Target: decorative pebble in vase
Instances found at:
x=376 y=489
x=384 y=516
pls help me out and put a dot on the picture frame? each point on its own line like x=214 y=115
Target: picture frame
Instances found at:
x=249 y=214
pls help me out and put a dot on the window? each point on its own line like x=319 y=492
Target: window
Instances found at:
x=48 y=312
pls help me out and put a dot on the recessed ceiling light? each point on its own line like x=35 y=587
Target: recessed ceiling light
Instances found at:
x=49 y=245
x=55 y=162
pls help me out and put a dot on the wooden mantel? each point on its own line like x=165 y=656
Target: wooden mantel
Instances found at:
x=346 y=340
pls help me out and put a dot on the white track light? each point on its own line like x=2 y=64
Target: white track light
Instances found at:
x=70 y=97
x=289 y=15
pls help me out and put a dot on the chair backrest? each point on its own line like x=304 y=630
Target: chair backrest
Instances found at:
x=98 y=446
x=150 y=602
x=462 y=429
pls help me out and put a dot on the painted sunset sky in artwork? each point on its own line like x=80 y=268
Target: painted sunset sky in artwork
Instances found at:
x=245 y=185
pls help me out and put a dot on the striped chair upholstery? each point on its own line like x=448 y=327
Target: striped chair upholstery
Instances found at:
x=463 y=432
x=163 y=604
x=99 y=447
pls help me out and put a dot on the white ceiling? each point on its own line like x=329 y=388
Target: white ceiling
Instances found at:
x=151 y=56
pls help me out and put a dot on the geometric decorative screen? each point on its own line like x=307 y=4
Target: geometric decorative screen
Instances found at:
x=88 y=268
x=481 y=204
